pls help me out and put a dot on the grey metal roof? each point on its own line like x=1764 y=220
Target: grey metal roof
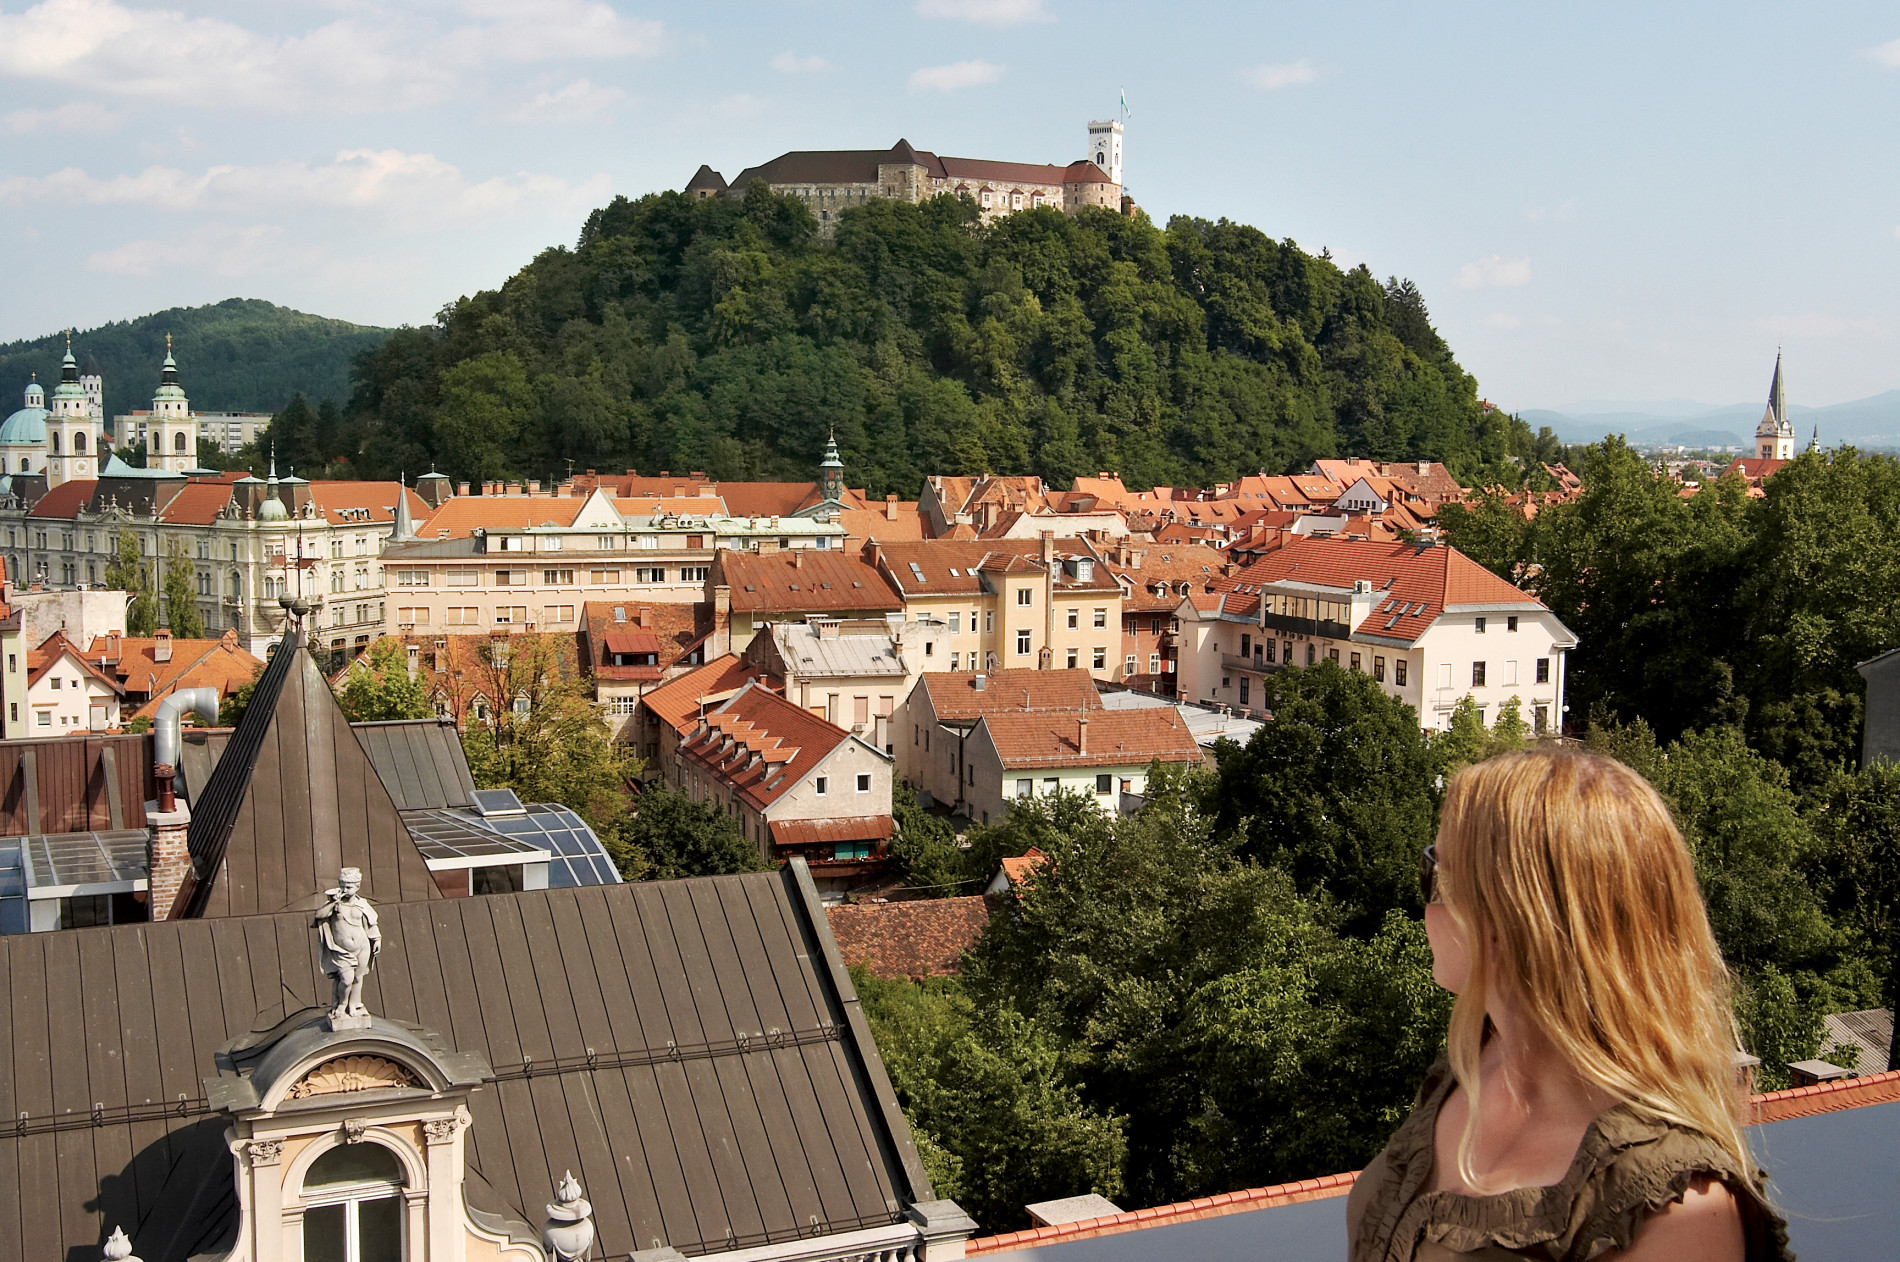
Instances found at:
x=844 y=654
x=1869 y=1032
x=692 y=1050
x=1205 y=725
x=421 y=762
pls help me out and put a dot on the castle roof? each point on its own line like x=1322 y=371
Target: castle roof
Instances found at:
x=706 y=178
x=860 y=166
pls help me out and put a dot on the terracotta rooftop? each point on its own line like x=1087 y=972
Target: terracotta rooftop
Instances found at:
x=345 y=503
x=219 y=664
x=675 y=630
x=954 y=696
x=805 y=580
x=197 y=504
x=915 y=938
x=1053 y=738
x=759 y=745
x=463 y=514
x=64 y=500
x=51 y=650
x=678 y=702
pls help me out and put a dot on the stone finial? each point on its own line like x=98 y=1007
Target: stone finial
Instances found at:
x=118 y=1248
x=569 y=1231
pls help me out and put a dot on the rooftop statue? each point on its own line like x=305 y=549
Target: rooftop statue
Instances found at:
x=349 y=941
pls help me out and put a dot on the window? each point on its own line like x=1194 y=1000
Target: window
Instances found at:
x=1479 y=624
x=1246 y=644
x=412 y=578
x=56 y=683
x=1099 y=659
x=1024 y=596
x=1540 y=718
x=1398 y=672
x=1022 y=643
x=412 y=615
x=1477 y=674
x=1025 y=788
x=464 y=616
x=1101 y=617
x=461 y=578
x=1244 y=682
x=860 y=709
x=654 y=574
x=557 y=613
x=1355 y=660
x=1104 y=783
x=1154 y=663
x=353 y=1196
x=1075 y=618
x=821 y=785
x=1129 y=664
x=558 y=578
x=989 y=621
x=1510 y=623
x=1074 y=658
x=695 y=573
x=1543 y=670
x=1312 y=653
x=864 y=782
x=1378 y=669
x=956 y=620
x=511 y=578
x=955 y=659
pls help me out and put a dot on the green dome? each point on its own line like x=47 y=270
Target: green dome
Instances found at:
x=28 y=425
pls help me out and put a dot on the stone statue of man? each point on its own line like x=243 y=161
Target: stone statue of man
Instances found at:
x=349 y=942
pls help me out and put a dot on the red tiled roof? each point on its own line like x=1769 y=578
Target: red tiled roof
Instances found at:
x=678 y=701
x=760 y=745
x=915 y=938
x=1825 y=1097
x=219 y=664
x=1051 y=738
x=767 y=499
x=197 y=504
x=805 y=580
x=64 y=500
x=375 y=500
x=465 y=513
x=1416 y=583
x=51 y=650
x=833 y=829
x=675 y=630
x=954 y=697
x=1198 y=566
x=876 y=523
x=1020 y=868
x=632 y=642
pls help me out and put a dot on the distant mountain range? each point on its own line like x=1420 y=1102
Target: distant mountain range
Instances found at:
x=1871 y=423
x=239 y=355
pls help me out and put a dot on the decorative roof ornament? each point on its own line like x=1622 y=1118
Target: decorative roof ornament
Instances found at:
x=349 y=940
x=118 y=1248
x=569 y=1231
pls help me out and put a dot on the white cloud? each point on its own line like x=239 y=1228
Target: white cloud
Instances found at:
x=1496 y=272
x=88 y=117
x=376 y=58
x=1285 y=75
x=410 y=189
x=956 y=75
x=1887 y=55
x=986 y=12
x=574 y=103
x=789 y=62
x=217 y=249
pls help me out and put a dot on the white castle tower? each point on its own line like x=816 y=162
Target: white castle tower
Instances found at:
x=171 y=439
x=72 y=435
x=1774 y=437
x=1105 y=147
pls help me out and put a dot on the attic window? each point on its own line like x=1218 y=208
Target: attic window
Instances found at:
x=620 y=612
x=748 y=587
x=855 y=583
x=953 y=572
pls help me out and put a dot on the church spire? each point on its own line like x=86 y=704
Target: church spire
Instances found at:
x=1777 y=397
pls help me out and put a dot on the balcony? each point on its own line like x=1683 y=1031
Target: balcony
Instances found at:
x=1307 y=626
x=1257 y=664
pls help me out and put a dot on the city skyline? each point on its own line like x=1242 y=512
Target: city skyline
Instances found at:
x=1638 y=206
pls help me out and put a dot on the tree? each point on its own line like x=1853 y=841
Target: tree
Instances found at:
x=181 y=596
x=1338 y=791
x=126 y=572
x=383 y=687
x=668 y=835
x=231 y=709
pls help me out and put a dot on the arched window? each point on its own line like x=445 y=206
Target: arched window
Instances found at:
x=178 y=441
x=54 y=439
x=79 y=441
x=353 y=1205
x=23 y=464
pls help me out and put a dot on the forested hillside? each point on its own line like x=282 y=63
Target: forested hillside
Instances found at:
x=730 y=337
x=239 y=355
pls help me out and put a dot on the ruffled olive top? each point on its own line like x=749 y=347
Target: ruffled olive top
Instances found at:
x=1627 y=1166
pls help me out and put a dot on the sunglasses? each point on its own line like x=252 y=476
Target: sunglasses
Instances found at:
x=1428 y=876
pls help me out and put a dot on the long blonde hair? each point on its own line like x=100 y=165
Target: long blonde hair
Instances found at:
x=1572 y=863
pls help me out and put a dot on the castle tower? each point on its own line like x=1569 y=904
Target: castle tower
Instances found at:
x=72 y=438
x=95 y=387
x=831 y=474
x=172 y=437
x=1774 y=437
x=1105 y=147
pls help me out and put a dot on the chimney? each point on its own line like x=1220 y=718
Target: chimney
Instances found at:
x=534 y=486
x=162 y=645
x=1048 y=547
x=1082 y=735
x=462 y=488
x=890 y=507
x=112 y=650
x=873 y=553
x=798 y=558
x=644 y=618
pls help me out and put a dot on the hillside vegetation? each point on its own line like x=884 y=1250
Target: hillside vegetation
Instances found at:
x=730 y=337
x=239 y=355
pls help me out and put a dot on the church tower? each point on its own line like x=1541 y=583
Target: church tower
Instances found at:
x=95 y=388
x=172 y=436
x=1774 y=437
x=831 y=474
x=72 y=437
x=1105 y=147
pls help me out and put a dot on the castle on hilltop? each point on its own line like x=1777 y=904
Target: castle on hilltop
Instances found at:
x=830 y=181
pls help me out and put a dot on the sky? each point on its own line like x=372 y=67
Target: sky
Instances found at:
x=1600 y=202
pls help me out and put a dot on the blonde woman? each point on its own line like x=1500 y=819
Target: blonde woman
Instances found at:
x=1589 y=1106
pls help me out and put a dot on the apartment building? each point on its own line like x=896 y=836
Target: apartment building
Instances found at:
x=1013 y=756
x=941 y=709
x=854 y=672
x=1430 y=625
x=766 y=588
x=1154 y=582
x=1010 y=605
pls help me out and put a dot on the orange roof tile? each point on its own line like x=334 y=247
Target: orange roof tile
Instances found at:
x=915 y=938
x=805 y=580
x=464 y=514
x=343 y=503
x=1052 y=738
x=678 y=702
x=759 y=745
x=64 y=500
x=197 y=504
x=954 y=696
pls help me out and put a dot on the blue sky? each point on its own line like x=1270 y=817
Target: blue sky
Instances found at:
x=1612 y=201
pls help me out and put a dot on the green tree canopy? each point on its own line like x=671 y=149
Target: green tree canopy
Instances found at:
x=382 y=687
x=668 y=835
x=181 y=595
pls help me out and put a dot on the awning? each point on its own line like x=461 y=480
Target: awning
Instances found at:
x=621 y=642
x=813 y=832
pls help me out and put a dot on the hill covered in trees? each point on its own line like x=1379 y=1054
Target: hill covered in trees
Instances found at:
x=239 y=355
x=731 y=337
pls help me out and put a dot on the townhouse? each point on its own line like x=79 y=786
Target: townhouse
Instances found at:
x=1427 y=623
x=942 y=709
x=751 y=591
x=1154 y=582
x=67 y=694
x=854 y=672
x=1014 y=755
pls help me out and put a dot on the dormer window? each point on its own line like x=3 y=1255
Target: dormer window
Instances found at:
x=353 y=1199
